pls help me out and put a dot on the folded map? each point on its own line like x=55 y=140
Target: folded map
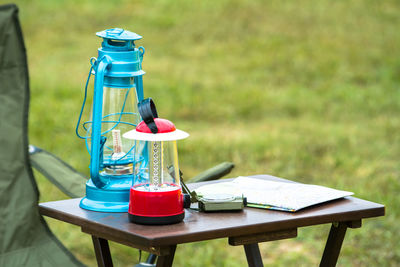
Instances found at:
x=273 y=195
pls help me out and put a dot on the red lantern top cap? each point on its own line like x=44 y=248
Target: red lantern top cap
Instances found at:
x=166 y=132
x=163 y=125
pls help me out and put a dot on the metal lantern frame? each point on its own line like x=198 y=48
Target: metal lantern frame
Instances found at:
x=118 y=65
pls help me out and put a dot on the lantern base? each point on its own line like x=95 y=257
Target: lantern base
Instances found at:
x=114 y=197
x=156 y=220
x=103 y=206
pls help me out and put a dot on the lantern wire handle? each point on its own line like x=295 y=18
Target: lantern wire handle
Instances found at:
x=93 y=61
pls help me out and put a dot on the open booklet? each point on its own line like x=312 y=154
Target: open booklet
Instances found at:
x=274 y=195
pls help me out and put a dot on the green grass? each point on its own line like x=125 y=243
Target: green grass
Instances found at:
x=304 y=90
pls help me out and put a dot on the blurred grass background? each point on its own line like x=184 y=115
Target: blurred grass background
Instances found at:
x=303 y=90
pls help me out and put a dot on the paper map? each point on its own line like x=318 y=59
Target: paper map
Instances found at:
x=274 y=195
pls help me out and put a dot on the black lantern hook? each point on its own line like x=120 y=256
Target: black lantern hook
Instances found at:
x=148 y=112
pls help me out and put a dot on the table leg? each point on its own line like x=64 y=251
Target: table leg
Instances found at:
x=333 y=244
x=253 y=255
x=102 y=251
x=166 y=261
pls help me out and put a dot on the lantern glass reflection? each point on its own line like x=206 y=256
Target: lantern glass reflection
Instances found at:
x=119 y=113
x=119 y=116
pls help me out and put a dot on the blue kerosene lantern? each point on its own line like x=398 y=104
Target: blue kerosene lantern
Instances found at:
x=118 y=87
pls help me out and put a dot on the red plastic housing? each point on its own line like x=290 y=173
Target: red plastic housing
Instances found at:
x=163 y=126
x=156 y=204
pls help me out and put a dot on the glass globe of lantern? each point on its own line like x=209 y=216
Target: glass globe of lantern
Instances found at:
x=119 y=115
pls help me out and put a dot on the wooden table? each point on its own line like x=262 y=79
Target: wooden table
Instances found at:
x=247 y=228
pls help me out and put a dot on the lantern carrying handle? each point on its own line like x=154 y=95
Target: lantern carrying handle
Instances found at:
x=142 y=50
x=148 y=112
x=97 y=139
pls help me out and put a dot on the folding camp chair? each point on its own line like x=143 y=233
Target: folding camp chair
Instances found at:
x=25 y=238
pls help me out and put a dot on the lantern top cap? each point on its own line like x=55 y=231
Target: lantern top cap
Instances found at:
x=166 y=132
x=163 y=126
x=119 y=34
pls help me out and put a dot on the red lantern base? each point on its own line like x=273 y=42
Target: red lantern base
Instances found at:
x=156 y=207
x=156 y=220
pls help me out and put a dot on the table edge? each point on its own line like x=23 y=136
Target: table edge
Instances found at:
x=218 y=233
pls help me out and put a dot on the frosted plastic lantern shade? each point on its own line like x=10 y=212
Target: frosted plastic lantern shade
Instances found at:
x=160 y=172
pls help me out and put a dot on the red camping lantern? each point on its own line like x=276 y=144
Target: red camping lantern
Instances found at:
x=156 y=195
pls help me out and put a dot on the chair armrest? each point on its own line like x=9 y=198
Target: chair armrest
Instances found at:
x=213 y=173
x=57 y=171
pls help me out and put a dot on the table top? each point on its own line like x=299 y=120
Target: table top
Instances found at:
x=199 y=226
